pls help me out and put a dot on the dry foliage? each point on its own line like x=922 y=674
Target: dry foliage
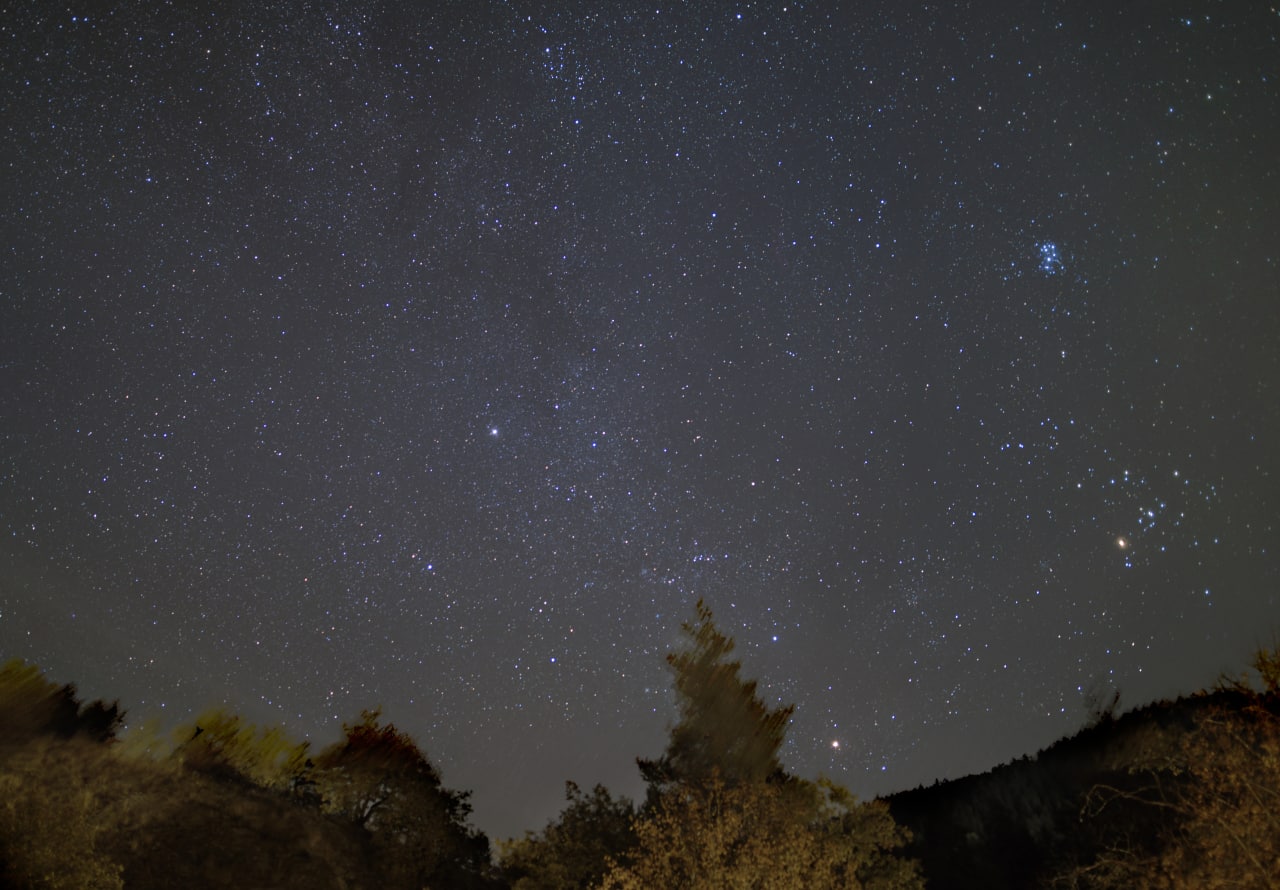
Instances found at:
x=1218 y=792
x=765 y=836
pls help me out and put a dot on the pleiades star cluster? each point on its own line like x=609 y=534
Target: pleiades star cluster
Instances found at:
x=441 y=356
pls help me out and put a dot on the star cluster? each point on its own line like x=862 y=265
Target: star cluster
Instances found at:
x=441 y=356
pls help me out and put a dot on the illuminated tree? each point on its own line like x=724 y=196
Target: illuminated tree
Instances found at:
x=724 y=729
x=220 y=742
x=792 y=835
x=1218 y=791
x=722 y=813
x=574 y=850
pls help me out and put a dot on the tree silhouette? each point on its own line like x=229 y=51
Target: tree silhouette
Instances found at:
x=33 y=705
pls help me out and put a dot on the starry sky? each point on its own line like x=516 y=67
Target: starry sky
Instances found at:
x=442 y=355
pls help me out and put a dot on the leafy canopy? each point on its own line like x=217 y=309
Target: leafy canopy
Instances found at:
x=575 y=850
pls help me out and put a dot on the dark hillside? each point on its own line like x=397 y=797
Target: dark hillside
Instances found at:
x=1024 y=822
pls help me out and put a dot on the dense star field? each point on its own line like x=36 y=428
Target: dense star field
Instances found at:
x=441 y=356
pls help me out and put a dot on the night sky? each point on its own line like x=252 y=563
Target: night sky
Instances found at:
x=442 y=355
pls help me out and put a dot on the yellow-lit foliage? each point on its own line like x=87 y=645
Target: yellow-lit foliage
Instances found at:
x=1220 y=792
x=28 y=701
x=218 y=741
x=790 y=835
x=573 y=851
x=53 y=815
x=147 y=739
x=725 y=727
x=1267 y=663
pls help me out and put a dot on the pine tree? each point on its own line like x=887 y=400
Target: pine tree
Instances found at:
x=725 y=731
x=722 y=812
